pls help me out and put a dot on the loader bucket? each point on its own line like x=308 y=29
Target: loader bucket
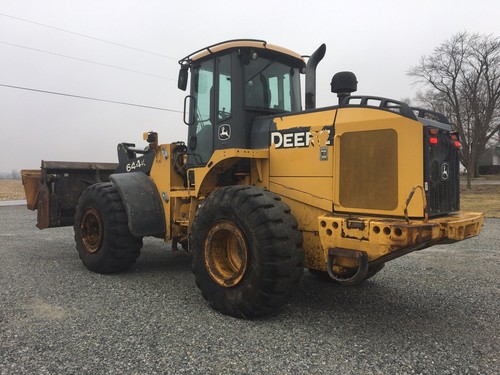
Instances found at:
x=31 y=181
x=54 y=189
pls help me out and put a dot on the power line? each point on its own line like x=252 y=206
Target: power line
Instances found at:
x=88 y=98
x=89 y=37
x=84 y=60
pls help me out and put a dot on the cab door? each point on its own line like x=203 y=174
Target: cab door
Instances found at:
x=213 y=119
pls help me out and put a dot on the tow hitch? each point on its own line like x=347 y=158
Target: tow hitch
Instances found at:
x=348 y=279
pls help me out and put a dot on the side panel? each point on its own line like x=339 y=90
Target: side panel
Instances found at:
x=301 y=158
x=314 y=192
x=378 y=163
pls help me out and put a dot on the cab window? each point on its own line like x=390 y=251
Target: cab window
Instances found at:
x=203 y=95
x=224 y=81
x=271 y=85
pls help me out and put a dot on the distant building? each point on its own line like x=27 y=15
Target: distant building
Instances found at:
x=489 y=163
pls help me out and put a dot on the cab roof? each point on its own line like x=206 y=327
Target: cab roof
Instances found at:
x=238 y=43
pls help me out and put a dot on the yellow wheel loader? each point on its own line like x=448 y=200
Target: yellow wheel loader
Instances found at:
x=263 y=188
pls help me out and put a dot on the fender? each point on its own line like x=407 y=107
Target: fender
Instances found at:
x=142 y=203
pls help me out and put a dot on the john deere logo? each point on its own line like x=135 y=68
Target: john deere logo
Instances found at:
x=445 y=171
x=224 y=132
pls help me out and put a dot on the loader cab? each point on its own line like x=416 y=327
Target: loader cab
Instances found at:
x=231 y=84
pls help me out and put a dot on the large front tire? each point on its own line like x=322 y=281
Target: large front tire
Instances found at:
x=247 y=251
x=103 y=239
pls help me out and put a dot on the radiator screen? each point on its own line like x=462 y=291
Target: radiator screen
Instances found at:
x=369 y=169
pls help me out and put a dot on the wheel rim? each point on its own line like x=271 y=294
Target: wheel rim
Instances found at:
x=226 y=254
x=91 y=230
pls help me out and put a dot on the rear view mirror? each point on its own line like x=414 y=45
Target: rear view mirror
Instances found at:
x=183 y=77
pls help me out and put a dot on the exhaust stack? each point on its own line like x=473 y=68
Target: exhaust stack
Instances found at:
x=312 y=63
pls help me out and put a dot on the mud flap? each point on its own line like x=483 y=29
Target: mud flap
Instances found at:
x=142 y=202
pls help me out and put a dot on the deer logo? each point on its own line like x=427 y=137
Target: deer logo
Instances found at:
x=224 y=132
x=445 y=171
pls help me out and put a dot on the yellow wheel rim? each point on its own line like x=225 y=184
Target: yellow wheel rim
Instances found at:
x=91 y=230
x=226 y=253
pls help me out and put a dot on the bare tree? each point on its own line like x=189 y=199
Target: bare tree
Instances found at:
x=462 y=78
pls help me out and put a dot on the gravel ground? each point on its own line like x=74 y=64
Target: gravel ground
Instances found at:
x=431 y=312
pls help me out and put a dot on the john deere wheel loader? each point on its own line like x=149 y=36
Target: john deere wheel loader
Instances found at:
x=262 y=188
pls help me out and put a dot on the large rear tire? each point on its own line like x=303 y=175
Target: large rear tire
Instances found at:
x=103 y=239
x=247 y=251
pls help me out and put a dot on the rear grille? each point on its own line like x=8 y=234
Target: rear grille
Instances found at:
x=441 y=173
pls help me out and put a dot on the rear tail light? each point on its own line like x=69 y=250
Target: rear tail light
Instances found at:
x=455 y=139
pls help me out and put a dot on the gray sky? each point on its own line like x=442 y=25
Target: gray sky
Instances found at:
x=377 y=40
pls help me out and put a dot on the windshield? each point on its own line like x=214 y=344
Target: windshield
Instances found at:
x=271 y=85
